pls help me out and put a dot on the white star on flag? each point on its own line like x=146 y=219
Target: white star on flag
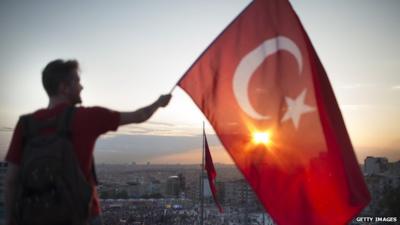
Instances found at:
x=296 y=108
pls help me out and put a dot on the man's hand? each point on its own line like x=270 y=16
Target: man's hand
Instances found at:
x=163 y=100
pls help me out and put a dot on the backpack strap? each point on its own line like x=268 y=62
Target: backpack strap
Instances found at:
x=64 y=128
x=31 y=127
x=64 y=122
x=24 y=121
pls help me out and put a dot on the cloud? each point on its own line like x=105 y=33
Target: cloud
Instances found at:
x=396 y=88
x=193 y=156
x=161 y=123
x=356 y=86
x=383 y=86
x=6 y=129
x=156 y=129
x=356 y=106
x=142 y=148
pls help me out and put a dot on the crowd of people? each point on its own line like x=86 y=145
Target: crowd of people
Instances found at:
x=147 y=214
x=124 y=212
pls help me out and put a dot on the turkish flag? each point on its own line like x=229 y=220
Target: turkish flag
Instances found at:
x=262 y=76
x=211 y=173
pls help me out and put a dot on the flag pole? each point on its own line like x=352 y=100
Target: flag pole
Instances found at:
x=246 y=210
x=263 y=214
x=172 y=89
x=202 y=181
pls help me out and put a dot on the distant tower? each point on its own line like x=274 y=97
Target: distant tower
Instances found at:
x=173 y=186
x=3 y=171
x=182 y=182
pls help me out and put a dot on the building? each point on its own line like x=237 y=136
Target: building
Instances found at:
x=192 y=188
x=237 y=192
x=375 y=165
x=3 y=171
x=175 y=186
x=381 y=177
x=394 y=169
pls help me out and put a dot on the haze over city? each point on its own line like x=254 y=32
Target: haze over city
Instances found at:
x=133 y=51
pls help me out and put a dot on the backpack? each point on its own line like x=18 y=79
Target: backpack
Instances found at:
x=51 y=188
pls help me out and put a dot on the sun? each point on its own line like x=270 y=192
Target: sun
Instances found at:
x=262 y=138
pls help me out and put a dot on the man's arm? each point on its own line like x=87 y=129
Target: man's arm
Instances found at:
x=144 y=113
x=10 y=180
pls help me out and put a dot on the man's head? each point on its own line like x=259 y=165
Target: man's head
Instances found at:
x=61 y=79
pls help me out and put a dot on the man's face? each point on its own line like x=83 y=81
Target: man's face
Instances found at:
x=74 y=89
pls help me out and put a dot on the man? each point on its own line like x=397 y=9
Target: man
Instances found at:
x=62 y=84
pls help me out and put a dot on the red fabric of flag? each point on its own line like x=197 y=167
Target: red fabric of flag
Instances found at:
x=262 y=76
x=211 y=173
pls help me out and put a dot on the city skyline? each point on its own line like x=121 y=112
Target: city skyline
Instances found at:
x=130 y=52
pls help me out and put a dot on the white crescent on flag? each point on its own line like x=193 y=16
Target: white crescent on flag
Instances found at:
x=251 y=62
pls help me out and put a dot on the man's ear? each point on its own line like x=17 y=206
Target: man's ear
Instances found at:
x=63 y=88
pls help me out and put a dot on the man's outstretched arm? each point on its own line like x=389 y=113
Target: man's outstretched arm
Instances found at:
x=144 y=113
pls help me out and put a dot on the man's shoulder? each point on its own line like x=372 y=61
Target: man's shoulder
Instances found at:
x=36 y=112
x=45 y=112
x=94 y=113
x=81 y=113
x=91 y=109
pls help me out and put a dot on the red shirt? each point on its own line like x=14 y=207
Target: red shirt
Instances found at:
x=87 y=124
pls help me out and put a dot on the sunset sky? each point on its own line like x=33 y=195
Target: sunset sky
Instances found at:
x=133 y=51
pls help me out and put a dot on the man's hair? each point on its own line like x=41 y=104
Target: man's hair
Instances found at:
x=57 y=72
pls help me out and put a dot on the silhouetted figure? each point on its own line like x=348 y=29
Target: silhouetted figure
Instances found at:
x=50 y=175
